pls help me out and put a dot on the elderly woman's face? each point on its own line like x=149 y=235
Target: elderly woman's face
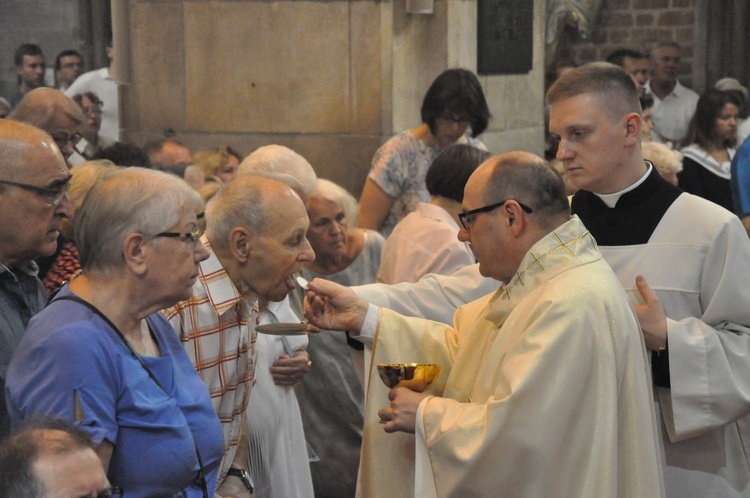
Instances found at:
x=328 y=227
x=175 y=262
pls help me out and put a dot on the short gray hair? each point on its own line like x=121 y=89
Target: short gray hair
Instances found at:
x=336 y=193
x=282 y=164
x=129 y=200
x=238 y=204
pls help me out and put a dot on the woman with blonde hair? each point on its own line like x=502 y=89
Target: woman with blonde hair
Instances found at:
x=101 y=355
x=218 y=164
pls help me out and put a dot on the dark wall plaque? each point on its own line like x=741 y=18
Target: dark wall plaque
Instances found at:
x=505 y=34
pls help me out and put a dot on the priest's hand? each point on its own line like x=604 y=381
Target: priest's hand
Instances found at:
x=402 y=414
x=651 y=315
x=331 y=306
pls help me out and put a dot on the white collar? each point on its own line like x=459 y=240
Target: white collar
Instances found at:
x=611 y=199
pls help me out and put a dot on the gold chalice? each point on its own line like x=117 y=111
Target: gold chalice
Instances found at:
x=414 y=376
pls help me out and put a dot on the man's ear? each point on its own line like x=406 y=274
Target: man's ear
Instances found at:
x=240 y=244
x=633 y=125
x=134 y=249
x=514 y=215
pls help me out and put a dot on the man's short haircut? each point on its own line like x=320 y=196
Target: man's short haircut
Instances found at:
x=664 y=43
x=24 y=50
x=241 y=203
x=449 y=172
x=702 y=127
x=618 y=56
x=531 y=181
x=610 y=84
x=456 y=92
x=283 y=164
x=39 y=106
x=66 y=53
x=43 y=436
x=126 y=201
x=336 y=193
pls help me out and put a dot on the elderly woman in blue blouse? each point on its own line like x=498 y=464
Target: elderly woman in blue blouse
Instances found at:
x=102 y=356
x=454 y=111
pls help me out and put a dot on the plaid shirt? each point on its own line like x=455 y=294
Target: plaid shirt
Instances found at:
x=217 y=328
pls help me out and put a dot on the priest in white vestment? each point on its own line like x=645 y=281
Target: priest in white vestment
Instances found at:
x=545 y=386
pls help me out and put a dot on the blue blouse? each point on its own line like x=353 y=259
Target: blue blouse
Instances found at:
x=68 y=351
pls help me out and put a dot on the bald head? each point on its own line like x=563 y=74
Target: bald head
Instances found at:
x=32 y=199
x=528 y=179
x=245 y=202
x=17 y=141
x=53 y=112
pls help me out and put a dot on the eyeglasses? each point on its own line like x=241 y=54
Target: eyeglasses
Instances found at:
x=467 y=219
x=89 y=111
x=62 y=139
x=51 y=195
x=191 y=237
x=454 y=119
x=111 y=492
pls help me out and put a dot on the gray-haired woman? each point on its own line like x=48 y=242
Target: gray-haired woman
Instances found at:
x=102 y=356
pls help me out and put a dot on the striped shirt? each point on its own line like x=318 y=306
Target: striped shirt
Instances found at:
x=217 y=328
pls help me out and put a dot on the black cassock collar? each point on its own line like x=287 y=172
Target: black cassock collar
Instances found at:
x=635 y=216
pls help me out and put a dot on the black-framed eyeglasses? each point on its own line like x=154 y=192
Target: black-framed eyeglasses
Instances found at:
x=451 y=118
x=62 y=139
x=111 y=492
x=193 y=237
x=467 y=217
x=51 y=195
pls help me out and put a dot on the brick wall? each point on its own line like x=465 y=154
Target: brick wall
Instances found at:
x=638 y=24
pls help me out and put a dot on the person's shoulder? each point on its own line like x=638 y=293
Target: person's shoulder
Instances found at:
x=695 y=220
x=65 y=328
x=475 y=142
x=373 y=238
x=82 y=83
x=700 y=208
x=685 y=92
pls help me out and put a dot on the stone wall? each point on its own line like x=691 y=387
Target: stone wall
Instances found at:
x=331 y=79
x=638 y=24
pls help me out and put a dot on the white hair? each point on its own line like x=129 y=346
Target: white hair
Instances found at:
x=282 y=164
x=336 y=193
x=665 y=159
x=125 y=201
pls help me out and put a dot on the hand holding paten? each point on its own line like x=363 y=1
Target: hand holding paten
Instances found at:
x=334 y=307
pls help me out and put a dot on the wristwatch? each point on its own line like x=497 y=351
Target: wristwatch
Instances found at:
x=244 y=475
